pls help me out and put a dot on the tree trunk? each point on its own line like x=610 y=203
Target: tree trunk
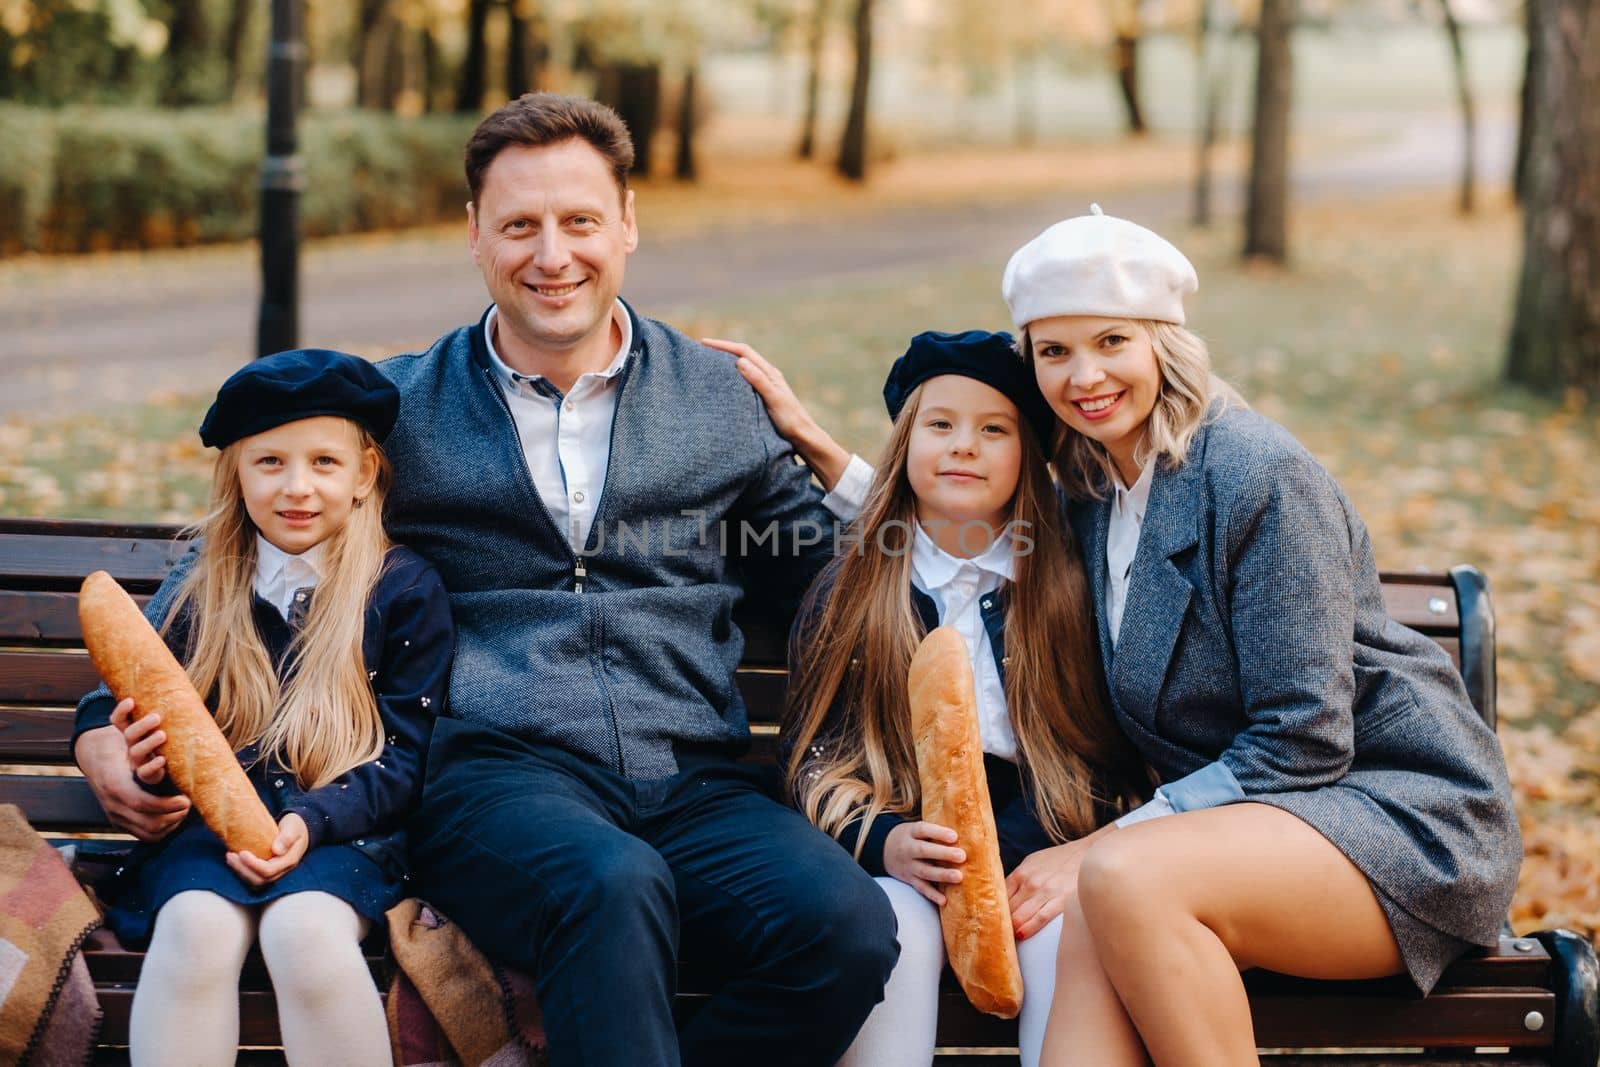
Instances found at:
x=819 y=36
x=1266 y=214
x=1525 y=123
x=392 y=64
x=1211 y=67
x=1555 y=335
x=1466 y=200
x=373 y=26
x=1125 y=54
x=633 y=90
x=686 y=169
x=183 y=80
x=435 y=79
x=853 y=145
x=475 y=65
x=522 y=63
x=1026 y=131
x=233 y=44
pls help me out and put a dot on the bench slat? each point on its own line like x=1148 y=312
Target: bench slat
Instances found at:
x=1458 y=1019
x=112 y=964
x=54 y=803
x=29 y=617
x=35 y=735
x=1424 y=602
x=258 y=1016
x=43 y=561
x=45 y=677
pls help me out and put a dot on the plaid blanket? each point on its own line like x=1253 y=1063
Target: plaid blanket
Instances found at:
x=48 y=1013
x=448 y=1006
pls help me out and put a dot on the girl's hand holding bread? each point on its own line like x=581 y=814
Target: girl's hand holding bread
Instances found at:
x=287 y=850
x=923 y=856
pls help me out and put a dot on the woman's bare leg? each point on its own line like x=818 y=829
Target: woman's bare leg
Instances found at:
x=1177 y=907
x=1087 y=1023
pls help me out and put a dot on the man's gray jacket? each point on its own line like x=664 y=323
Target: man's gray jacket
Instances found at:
x=624 y=654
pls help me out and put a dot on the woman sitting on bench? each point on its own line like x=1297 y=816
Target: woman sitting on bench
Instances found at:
x=1334 y=807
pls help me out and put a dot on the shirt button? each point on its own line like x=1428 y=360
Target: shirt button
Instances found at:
x=300 y=597
x=278 y=784
x=577 y=497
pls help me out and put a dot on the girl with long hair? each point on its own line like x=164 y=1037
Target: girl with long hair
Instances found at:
x=323 y=651
x=961 y=527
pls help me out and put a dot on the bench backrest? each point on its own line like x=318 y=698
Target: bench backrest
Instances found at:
x=44 y=670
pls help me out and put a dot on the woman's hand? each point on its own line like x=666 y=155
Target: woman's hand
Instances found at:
x=923 y=856
x=287 y=852
x=1041 y=884
x=789 y=416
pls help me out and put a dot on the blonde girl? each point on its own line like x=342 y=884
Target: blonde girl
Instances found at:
x=960 y=528
x=324 y=651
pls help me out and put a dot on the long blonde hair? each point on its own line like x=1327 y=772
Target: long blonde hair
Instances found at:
x=1189 y=389
x=323 y=720
x=1075 y=760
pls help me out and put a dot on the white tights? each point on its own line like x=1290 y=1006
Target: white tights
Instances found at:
x=186 y=1006
x=900 y=1031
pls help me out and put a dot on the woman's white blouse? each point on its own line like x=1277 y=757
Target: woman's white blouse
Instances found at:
x=1122 y=544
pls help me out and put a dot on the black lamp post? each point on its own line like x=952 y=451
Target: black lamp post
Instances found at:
x=282 y=179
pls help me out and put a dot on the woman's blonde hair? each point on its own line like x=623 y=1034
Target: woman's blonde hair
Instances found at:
x=1189 y=388
x=1075 y=761
x=323 y=719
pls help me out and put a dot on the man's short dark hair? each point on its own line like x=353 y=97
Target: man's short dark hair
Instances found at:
x=539 y=119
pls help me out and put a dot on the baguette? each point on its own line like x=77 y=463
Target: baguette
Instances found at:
x=135 y=662
x=976 y=917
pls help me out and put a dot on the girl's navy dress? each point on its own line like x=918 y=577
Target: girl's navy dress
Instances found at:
x=357 y=847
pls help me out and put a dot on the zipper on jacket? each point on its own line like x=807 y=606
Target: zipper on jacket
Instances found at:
x=578 y=571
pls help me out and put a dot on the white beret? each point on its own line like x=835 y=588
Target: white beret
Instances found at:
x=1098 y=265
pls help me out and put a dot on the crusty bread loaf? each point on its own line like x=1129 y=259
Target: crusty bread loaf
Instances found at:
x=135 y=662
x=976 y=916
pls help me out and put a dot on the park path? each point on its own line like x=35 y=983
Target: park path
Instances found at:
x=83 y=334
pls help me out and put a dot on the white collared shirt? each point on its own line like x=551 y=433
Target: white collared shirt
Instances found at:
x=282 y=578
x=1122 y=544
x=850 y=492
x=959 y=587
x=566 y=440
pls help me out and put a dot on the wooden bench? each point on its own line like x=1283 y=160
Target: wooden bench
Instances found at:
x=1531 y=1000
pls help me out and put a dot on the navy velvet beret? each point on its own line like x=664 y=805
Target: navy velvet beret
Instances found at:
x=300 y=384
x=990 y=358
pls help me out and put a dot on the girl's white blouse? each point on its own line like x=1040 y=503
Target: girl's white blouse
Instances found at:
x=281 y=577
x=961 y=588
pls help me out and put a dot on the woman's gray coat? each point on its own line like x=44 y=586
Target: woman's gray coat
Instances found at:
x=1256 y=662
